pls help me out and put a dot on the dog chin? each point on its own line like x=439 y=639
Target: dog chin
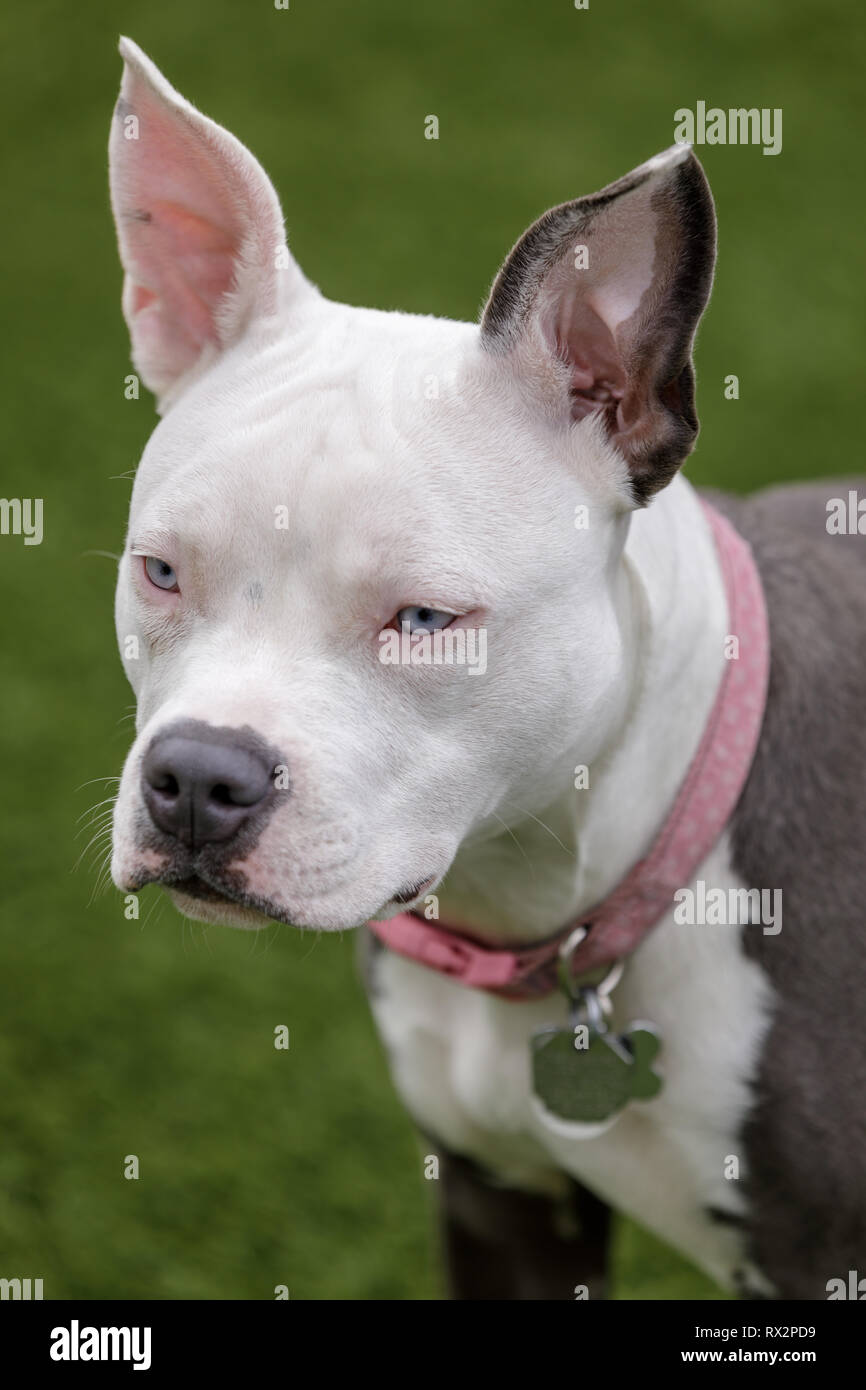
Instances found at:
x=213 y=907
x=220 y=913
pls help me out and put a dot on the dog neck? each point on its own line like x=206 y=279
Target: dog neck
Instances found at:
x=552 y=861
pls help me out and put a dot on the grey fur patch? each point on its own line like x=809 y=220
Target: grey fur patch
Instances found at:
x=801 y=826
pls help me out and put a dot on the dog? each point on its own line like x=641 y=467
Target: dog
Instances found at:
x=333 y=491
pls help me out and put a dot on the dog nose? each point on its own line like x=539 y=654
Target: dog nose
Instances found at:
x=200 y=786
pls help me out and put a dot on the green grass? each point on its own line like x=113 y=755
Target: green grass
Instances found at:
x=153 y=1038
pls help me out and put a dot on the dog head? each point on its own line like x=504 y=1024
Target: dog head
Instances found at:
x=334 y=496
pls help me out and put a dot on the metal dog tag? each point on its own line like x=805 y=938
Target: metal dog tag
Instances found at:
x=592 y=1082
x=586 y=1072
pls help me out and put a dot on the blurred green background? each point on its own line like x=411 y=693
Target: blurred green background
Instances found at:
x=155 y=1037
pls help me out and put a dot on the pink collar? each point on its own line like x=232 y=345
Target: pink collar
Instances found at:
x=700 y=812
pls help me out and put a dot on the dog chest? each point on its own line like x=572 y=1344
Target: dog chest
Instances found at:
x=461 y=1063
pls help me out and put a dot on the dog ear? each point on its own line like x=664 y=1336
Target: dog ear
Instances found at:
x=609 y=290
x=199 y=227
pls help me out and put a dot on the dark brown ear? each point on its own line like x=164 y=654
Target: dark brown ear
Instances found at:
x=612 y=287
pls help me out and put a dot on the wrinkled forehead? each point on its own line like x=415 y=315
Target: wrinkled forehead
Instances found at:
x=363 y=469
x=380 y=446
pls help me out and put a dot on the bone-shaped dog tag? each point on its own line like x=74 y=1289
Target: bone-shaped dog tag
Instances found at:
x=591 y=1083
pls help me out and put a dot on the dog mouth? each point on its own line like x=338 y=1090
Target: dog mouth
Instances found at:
x=196 y=884
x=412 y=891
x=200 y=886
x=195 y=887
x=223 y=905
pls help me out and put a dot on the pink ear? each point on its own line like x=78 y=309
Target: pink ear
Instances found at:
x=611 y=288
x=199 y=227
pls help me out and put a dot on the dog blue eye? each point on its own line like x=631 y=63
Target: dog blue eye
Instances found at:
x=160 y=573
x=424 y=619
